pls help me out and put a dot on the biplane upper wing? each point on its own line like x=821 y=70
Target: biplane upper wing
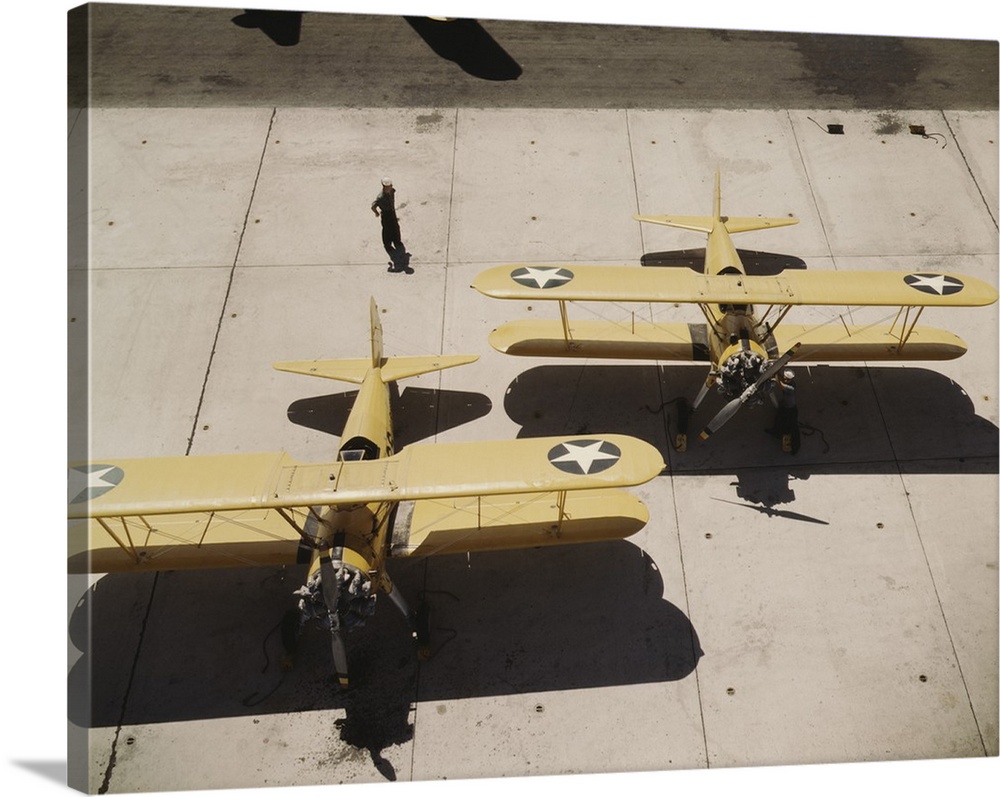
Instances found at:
x=635 y=284
x=236 y=482
x=240 y=509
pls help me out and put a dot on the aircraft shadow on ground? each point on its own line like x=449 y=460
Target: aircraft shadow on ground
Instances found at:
x=760 y=264
x=467 y=44
x=463 y=41
x=284 y=28
x=882 y=417
x=417 y=413
x=502 y=623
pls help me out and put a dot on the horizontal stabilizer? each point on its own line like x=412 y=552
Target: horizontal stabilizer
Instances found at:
x=529 y=520
x=392 y=368
x=694 y=223
x=353 y=371
x=733 y=224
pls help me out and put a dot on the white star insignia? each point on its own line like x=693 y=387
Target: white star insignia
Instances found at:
x=584 y=456
x=541 y=276
x=90 y=481
x=939 y=284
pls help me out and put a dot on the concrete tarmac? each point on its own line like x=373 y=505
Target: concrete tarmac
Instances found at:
x=838 y=605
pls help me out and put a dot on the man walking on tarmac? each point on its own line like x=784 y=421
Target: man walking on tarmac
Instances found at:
x=384 y=207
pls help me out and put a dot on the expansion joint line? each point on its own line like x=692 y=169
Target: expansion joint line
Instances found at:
x=635 y=178
x=451 y=195
x=229 y=283
x=695 y=648
x=815 y=200
x=106 y=781
x=965 y=160
x=930 y=570
x=113 y=757
x=447 y=263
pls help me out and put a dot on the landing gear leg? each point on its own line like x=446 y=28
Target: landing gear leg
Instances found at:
x=419 y=621
x=684 y=413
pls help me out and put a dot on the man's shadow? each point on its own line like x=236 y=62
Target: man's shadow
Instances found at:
x=401 y=260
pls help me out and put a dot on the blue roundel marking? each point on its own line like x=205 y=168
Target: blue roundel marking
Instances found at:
x=87 y=482
x=936 y=284
x=584 y=457
x=541 y=276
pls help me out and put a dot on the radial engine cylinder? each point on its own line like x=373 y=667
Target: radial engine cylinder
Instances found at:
x=739 y=367
x=355 y=592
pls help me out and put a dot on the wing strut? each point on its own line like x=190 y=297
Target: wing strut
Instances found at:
x=312 y=516
x=904 y=330
x=565 y=322
x=130 y=548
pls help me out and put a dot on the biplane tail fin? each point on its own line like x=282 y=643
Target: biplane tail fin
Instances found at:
x=706 y=224
x=376 y=332
x=391 y=369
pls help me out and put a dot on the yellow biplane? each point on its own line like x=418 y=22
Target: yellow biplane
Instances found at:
x=747 y=353
x=347 y=517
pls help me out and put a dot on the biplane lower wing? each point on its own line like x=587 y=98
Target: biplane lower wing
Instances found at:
x=791 y=287
x=596 y=338
x=674 y=342
x=839 y=343
x=187 y=541
x=526 y=520
x=230 y=509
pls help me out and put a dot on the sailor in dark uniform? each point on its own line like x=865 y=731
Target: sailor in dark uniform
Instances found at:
x=786 y=422
x=384 y=207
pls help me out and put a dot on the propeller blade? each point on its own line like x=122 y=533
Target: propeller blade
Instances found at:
x=722 y=417
x=733 y=406
x=703 y=392
x=329 y=565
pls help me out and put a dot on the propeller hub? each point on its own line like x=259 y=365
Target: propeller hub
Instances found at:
x=353 y=592
x=740 y=366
